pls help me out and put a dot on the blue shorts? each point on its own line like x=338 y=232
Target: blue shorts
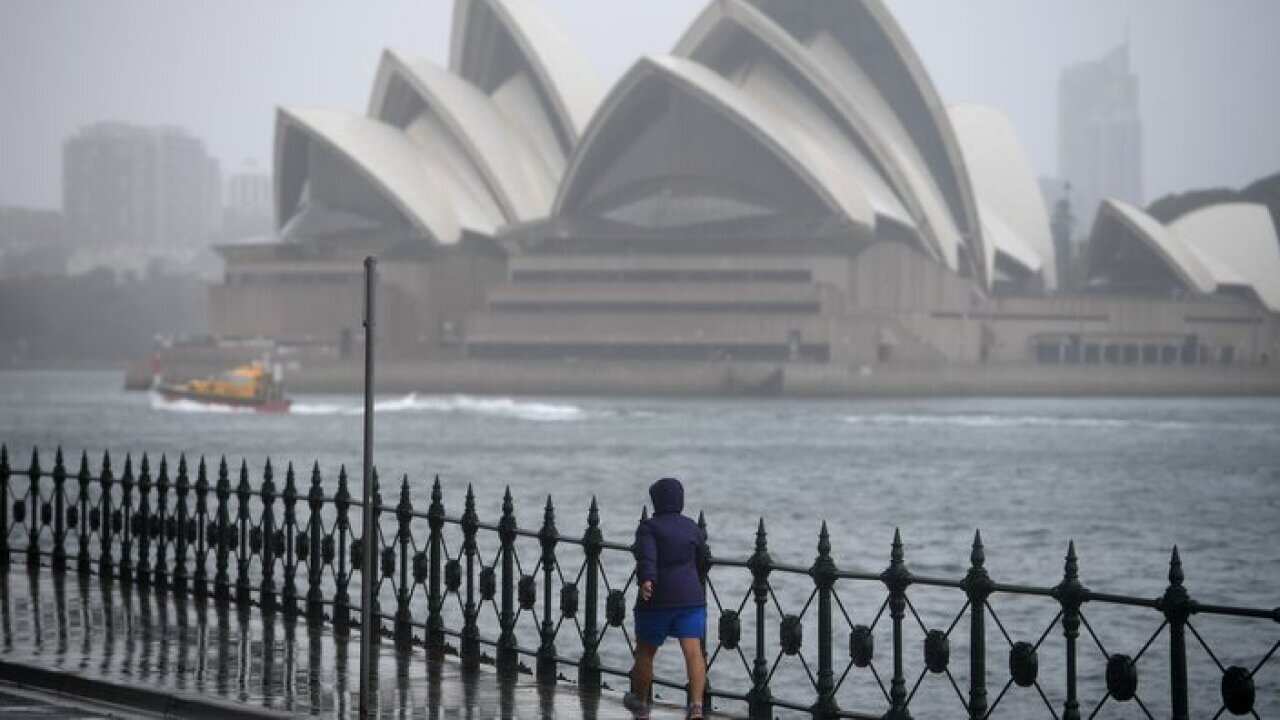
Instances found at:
x=654 y=626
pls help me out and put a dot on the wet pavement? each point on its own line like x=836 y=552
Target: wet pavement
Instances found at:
x=21 y=703
x=121 y=634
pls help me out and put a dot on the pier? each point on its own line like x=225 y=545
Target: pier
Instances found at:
x=207 y=580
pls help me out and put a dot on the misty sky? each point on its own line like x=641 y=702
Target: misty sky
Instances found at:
x=1208 y=69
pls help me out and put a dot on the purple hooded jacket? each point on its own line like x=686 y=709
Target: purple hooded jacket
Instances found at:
x=669 y=550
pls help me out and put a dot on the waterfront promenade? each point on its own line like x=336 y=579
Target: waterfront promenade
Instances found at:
x=159 y=652
x=216 y=580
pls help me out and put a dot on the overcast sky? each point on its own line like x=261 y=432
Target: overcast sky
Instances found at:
x=1208 y=69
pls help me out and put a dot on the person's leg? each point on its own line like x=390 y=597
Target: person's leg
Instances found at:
x=642 y=670
x=696 y=665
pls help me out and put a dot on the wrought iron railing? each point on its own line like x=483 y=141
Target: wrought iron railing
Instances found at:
x=292 y=550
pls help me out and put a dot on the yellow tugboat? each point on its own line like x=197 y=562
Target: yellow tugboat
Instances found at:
x=251 y=386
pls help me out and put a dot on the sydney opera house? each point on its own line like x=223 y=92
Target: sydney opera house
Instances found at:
x=784 y=191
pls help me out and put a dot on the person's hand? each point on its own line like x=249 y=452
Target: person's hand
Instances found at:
x=646 y=590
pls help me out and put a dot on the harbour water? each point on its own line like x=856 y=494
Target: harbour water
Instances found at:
x=1126 y=479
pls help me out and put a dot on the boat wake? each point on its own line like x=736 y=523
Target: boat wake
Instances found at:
x=184 y=405
x=459 y=404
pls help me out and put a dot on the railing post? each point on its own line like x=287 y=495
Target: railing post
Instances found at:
x=105 y=479
x=341 y=599
x=59 y=475
x=5 y=474
x=200 y=579
x=267 y=588
x=404 y=518
x=181 y=489
x=705 y=571
x=315 y=562
x=823 y=573
x=1177 y=607
x=83 y=559
x=33 y=515
x=221 y=580
x=435 y=600
x=470 y=631
x=120 y=520
x=59 y=508
x=160 y=525
x=141 y=527
x=507 y=658
x=243 y=492
x=376 y=569
x=759 y=698
x=1071 y=594
x=977 y=585
x=897 y=578
x=290 y=501
x=548 y=536
x=592 y=545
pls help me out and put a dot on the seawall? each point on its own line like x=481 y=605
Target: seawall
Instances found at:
x=799 y=380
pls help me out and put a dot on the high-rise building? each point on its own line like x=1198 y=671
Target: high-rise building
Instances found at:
x=139 y=190
x=1100 y=133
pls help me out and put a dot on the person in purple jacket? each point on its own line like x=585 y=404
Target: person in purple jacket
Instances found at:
x=669 y=550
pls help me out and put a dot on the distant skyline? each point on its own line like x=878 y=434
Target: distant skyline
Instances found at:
x=1208 y=105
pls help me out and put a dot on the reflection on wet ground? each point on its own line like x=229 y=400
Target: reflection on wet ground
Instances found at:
x=20 y=703
x=172 y=643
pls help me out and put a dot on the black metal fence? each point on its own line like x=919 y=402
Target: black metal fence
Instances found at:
x=456 y=584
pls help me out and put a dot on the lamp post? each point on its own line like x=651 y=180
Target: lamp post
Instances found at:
x=368 y=623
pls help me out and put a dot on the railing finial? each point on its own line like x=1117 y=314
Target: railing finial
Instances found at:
x=824 y=541
x=1175 y=568
x=1071 y=568
x=978 y=556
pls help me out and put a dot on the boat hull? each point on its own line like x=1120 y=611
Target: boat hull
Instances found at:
x=280 y=405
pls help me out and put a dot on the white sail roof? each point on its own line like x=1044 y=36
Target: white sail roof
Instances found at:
x=381 y=153
x=833 y=182
x=512 y=169
x=864 y=47
x=560 y=75
x=1006 y=188
x=1182 y=260
x=746 y=47
x=1237 y=243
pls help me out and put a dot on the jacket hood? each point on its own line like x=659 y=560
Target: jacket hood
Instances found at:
x=667 y=495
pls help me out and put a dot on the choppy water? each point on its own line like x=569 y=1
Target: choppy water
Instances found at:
x=1126 y=478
